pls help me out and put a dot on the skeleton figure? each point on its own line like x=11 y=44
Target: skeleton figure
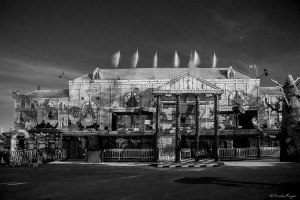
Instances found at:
x=290 y=132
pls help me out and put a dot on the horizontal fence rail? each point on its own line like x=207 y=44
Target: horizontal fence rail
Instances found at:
x=249 y=152
x=128 y=154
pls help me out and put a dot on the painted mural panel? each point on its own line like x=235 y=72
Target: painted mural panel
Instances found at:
x=166 y=146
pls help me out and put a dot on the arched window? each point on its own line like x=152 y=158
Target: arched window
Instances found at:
x=231 y=72
x=131 y=99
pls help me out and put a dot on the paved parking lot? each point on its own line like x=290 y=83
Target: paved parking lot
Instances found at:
x=234 y=180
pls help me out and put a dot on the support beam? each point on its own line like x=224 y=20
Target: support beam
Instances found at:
x=47 y=143
x=177 y=136
x=35 y=147
x=157 y=125
x=100 y=147
x=258 y=146
x=216 y=128
x=56 y=141
x=197 y=131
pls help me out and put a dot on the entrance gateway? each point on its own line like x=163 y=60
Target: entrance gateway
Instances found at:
x=183 y=95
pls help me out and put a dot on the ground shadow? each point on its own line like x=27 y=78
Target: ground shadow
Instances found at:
x=224 y=182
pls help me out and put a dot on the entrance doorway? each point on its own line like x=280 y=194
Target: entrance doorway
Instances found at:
x=77 y=147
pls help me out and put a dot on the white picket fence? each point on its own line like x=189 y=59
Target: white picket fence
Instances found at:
x=249 y=152
x=128 y=154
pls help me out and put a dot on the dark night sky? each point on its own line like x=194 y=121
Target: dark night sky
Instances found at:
x=40 y=39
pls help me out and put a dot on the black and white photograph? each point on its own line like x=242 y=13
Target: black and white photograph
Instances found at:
x=149 y=99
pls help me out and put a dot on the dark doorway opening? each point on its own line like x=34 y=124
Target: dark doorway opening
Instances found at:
x=245 y=119
x=114 y=121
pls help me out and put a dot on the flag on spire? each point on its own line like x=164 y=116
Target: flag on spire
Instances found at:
x=176 y=60
x=135 y=59
x=115 y=59
x=214 y=65
x=155 y=60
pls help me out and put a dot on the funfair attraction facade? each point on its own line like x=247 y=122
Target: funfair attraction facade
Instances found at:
x=151 y=114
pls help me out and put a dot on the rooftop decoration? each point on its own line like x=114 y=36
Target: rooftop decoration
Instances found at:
x=97 y=74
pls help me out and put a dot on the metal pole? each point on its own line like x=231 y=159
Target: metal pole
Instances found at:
x=197 y=131
x=177 y=136
x=132 y=119
x=157 y=125
x=216 y=128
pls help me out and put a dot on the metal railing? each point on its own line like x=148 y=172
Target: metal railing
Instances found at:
x=128 y=154
x=270 y=151
x=249 y=152
x=186 y=153
x=32 y=157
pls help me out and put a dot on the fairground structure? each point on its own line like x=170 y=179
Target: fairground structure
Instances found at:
x=155 y=114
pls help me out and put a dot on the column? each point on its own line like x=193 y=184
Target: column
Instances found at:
x=47 y=142
x=197 y=131
x=157 y=125
x=35 y=147
x=101 y=147
x=56 y=141
x=216 y=127
x=258 y=146
x=132 y=117
x=177 y=136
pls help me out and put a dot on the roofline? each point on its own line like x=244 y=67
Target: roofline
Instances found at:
x=254 y=77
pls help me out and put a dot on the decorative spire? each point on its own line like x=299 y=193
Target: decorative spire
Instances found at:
x=176 y=60
x=194 y=60
x=135 y=59
x=115 y=59
x=214 y=65
x=155 y=60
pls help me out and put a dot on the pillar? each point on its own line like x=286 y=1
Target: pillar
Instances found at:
x=177 y=136
x=132 y=117
x=258 y=146
x=197 y=131
x=35 y=147
x=101 y=148
x=47 y=143
x=56 y=141
x=216 y=127
x=157 y=125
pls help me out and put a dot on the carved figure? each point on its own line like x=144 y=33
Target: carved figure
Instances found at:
x=290 y=130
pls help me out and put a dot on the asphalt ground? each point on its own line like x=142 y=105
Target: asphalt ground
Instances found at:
x=139 y=181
